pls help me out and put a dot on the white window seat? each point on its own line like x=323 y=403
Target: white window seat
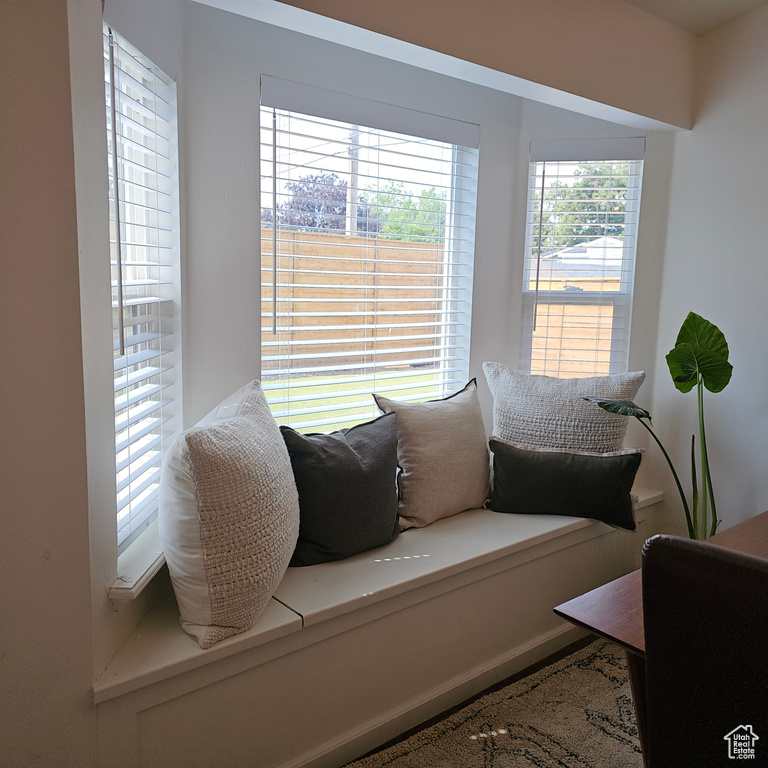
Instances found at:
x=448 y=554
x=423 y=556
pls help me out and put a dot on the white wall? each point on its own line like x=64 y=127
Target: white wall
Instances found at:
x=716 y=264
x=45 y=639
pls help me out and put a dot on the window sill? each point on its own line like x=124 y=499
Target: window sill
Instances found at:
x=136 y=567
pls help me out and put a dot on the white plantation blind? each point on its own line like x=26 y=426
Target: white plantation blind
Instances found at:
x=143 y=197
x=371 y=287
x=581 y=233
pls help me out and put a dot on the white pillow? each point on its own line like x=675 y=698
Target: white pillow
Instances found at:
x=546 y=412
x=442 y=454
x=228 y=516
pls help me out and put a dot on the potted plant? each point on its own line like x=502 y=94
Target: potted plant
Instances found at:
x=699 y=359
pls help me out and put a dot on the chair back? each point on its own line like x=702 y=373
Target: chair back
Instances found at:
x=705 y=611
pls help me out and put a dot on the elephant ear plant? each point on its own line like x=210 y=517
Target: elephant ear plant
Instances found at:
x=699 y=359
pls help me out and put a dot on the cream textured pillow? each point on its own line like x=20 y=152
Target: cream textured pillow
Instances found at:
x=228 y=516
x=545 y=412
x=442 y=455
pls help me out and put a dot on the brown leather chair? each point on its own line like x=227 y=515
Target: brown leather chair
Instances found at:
x=705 y=611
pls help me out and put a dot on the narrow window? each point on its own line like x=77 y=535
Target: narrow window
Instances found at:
x=581 y=233
x=144 y=254
x=371 y=286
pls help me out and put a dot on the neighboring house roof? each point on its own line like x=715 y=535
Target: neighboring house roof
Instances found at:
x=598 y=258
x=602 y=249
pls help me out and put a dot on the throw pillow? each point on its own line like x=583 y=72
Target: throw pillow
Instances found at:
x=564 y=483
x=347 y=489
x=228 y=516
x=545 y=412
x=442 y=455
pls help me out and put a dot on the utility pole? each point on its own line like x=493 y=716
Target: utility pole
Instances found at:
x=354 y=154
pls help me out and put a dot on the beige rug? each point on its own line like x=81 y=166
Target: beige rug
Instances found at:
x=575 y=713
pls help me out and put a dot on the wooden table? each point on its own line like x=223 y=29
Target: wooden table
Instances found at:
x=615 y=610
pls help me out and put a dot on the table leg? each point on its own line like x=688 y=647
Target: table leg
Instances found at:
x=636 y=669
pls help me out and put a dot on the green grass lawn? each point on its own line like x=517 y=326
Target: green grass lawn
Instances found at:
x=312 y=412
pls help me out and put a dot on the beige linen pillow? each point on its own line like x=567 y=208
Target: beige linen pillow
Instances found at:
x=442 y=455
x=545 y=412
x=228 y=516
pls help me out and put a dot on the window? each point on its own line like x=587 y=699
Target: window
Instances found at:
x=581 y=232
x=144 y=253
x=373 y=231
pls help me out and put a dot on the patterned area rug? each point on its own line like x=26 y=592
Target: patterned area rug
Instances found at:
x=574 y=713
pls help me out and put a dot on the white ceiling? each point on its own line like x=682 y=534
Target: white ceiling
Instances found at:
x=698 y=16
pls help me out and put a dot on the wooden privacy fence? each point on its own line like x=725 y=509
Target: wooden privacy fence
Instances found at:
x=574 y=339
x=346 y=301
x=349 y=298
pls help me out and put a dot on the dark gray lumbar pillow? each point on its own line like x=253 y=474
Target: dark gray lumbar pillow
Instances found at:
x=347 y=489
x=564 y=483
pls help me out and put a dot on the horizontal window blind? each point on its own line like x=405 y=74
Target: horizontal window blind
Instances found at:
x=581 y=233
x=144 y=237
x=370 y=286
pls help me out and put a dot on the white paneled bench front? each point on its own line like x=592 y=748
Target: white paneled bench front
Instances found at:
x=351 y=653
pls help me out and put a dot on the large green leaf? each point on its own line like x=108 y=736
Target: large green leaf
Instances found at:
x=620 y=407
x=701 y=333
x=700 y=350
x=687 y=361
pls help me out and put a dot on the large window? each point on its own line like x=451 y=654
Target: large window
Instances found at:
x=581 y=233
x=373 y=230
x=144 y=237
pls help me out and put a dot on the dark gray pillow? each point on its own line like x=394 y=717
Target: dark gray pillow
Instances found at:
x=347 y=489
x=564 y=483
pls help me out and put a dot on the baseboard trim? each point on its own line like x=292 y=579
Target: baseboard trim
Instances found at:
x=358 y=741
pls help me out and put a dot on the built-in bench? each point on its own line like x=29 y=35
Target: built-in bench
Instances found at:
x=350 y=653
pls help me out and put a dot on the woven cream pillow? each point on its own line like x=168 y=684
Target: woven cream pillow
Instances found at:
x=228 y=516
x=442 y=454
x=545 y=412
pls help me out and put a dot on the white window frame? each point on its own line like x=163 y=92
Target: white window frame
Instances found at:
x=588 y=151
x=147 y=157
x=281 y=99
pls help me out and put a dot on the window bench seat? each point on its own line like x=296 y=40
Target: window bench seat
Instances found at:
x=350 y=653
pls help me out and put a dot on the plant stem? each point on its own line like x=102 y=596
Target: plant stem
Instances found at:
x=695 y=486
x=706 y=475
x=715 y=520
x=704 y=462
x=688 y=520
